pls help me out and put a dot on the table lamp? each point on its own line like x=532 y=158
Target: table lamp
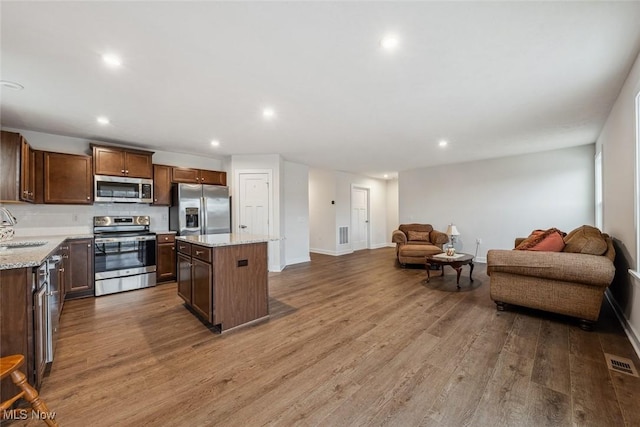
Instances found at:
x=453 y=233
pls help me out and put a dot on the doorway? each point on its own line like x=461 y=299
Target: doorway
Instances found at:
x=359 y=218
x=254 y=203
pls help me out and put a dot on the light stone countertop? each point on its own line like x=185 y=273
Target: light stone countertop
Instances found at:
x=32 y=256
x=227 y=239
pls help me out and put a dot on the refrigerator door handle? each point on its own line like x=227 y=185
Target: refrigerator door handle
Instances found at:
x=203 y=210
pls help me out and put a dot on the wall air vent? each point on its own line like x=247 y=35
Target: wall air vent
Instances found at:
x=343 y=233
x=620 y=364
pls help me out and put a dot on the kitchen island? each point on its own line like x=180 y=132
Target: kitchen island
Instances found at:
x=223 y=278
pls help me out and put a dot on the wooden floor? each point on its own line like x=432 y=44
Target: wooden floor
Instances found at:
x=352 y=340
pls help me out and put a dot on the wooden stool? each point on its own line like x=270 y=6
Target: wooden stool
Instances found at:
x=9 y=366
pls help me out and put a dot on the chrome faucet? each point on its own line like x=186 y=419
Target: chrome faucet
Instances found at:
x=6 y=218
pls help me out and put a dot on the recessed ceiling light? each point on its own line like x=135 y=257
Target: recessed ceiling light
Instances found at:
x=103 y=120
x=386 y=175
x=11 y=85
x=390 y=42
x=268 y=113
x=112 y=60
x=443 y=143
x=215 y=143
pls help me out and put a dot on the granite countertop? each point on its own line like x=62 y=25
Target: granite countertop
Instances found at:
x=31 y=256
x=226 y=239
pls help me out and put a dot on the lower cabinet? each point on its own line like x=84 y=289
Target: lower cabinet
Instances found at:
x=77 y=264
x=166 y=257
x=226 y=286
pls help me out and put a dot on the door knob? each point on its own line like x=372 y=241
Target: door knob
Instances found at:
x=243 y=226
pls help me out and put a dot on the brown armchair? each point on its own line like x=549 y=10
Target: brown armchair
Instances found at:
x=415 y=241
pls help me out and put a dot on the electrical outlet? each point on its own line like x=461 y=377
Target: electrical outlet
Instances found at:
x=478 y=241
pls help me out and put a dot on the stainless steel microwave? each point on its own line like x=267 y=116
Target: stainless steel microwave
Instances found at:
x=122 y=189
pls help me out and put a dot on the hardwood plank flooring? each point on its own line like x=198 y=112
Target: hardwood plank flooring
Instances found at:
x=352 y=340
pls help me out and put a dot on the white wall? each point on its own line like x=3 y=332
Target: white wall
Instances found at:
x=296 y=213
x=322 y=213
x=37 y=220
x=618 y=143
x=393 y=204
x=500 y=199
x=70 y=145
x=325 y=218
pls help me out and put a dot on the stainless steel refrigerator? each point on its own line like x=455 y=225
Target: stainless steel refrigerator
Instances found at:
x=200 y=209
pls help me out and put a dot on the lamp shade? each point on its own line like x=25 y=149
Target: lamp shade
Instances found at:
x=452 y=230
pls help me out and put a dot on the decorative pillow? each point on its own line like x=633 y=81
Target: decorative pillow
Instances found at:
x=585 y=240
x=550 y=240
x=421 y=236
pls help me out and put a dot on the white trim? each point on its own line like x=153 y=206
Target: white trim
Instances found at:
x=634 y=273
x=298 y=260
x=632 y=334
x=382 y=245
x=481 y=259
x=598 y=187
x=331 y=253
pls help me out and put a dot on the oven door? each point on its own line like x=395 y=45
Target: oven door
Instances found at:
x=124 y=256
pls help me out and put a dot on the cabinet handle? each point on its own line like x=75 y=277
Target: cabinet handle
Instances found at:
x=155 y=200
x=61 y=270
x=88 y=197
x=126 y=171
x=88 y=246
x=182 y=247
x=65 y=256
x=199 y=252
x=173 y=248
x=122 y=171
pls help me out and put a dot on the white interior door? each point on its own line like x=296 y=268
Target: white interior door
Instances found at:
x=359 y=218
x=254 y=203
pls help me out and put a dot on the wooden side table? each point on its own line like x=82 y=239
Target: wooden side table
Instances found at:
x=455 y=262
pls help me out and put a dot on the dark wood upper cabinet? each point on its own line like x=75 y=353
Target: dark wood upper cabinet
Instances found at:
x=67 y=179
x=116 y=161
x=17 y=169
x=198 y=176
x=161 y=185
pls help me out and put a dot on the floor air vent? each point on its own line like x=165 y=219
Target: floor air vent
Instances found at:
x=343 y=233
x=620 y=364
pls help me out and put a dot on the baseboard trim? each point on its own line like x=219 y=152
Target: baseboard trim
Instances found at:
x=331 y=253
x=298 y=260
x=633 y=336
x=380 y=245
x=481 y=259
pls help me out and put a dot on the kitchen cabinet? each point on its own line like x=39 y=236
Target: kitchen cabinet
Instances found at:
x=162 y=185
x=166 y=257
x=67 y=179
x=116 y=161
x=17 y=169
x=184 y=272
x=226 y=285
x=77 y=264
x=198 y=176
x=16 y=318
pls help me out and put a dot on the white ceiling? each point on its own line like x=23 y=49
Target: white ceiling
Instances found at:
x=494 y=79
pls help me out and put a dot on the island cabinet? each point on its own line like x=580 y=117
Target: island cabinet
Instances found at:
x=198 y=176
x=224 y=285
x=117 y=161
x=17 y=169
x=165 y=257
x=68 y=179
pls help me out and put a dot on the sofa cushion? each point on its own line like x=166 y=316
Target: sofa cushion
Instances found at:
x=550 y=240
x=585 y=240
x=422 y=236
x=410 y=250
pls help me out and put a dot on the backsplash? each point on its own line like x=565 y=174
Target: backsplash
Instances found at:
x=42 y=220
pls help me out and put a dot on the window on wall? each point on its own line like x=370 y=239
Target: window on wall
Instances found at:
x=598 y=188
x=637 y=185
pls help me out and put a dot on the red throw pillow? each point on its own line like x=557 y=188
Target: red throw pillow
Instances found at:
x=551 y=240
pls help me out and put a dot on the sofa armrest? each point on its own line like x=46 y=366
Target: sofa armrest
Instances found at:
x=438 y=237
x=518 y=241
x=594 y=270
x=398 y=237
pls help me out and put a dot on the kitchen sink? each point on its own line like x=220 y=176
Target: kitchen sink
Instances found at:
x=20 y=245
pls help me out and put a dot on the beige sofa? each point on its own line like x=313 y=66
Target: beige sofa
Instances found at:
x=572 y=284
x=415 y=241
